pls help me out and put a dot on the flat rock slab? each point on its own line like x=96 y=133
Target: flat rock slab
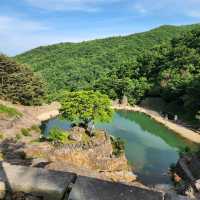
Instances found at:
x=174 y=196
x=51 y=185
x=93 y=189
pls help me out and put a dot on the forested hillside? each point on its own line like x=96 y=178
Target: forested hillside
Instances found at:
x=77 y=66
x=174 y=70
x=19 y=84
x=138 y=65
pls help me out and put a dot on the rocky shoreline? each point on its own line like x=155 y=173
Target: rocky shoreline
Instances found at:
x=95 y=159
x=180 y=130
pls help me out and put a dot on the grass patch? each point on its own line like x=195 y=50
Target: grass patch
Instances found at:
x=10 y=112
x=118 y=146
x=36 y=141
x=58 y=135
x=85 y=138
x=1 y=156
x=1 y=136
x=35 y=128
x=25 y=132
x=18 y=136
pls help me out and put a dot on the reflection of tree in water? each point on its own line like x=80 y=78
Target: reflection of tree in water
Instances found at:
x=149 y=125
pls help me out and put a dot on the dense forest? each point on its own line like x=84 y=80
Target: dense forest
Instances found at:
x=163 y=62
x=174 y=71
x=19 y=84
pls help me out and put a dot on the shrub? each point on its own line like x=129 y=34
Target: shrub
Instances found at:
x=1 y=136
x=58 y=135
x=1 y=156
x=35 y=128
x=25 y=132
x=18 y=136
x=118 y=146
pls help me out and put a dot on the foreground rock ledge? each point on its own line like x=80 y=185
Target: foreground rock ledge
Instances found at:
x=53 y=185
x=94 y=189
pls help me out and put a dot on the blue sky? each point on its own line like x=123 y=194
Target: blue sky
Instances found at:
x=25 y=24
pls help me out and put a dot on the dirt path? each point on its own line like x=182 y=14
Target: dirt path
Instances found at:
x=180 y=130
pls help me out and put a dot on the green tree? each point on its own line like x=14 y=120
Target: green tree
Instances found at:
x=19 y=84
x=84 y=106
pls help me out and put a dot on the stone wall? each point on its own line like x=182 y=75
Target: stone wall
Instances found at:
x=41 y=184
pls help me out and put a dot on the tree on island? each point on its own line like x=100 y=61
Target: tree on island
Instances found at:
x=86 y=107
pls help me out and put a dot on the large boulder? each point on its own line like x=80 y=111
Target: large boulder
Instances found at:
x=93 y=189
x=50 y=185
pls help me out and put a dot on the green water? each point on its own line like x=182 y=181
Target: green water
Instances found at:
x=150 y=147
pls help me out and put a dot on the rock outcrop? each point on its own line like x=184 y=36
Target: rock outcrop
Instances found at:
x=188 y=171
x=94 y=159
x=31 y=115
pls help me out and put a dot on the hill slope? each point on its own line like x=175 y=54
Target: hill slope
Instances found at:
x=84 y=65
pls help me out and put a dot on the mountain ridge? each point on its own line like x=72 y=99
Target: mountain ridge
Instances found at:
x=64 y=64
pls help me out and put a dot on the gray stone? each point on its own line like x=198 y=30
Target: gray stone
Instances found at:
x=173 y=196
x=51 y=185
x=124 y=101
x=76 y=136
x=39 y=162
x=31 y=197
x=93 y=189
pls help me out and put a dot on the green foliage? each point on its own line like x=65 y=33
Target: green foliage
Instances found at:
x=83 y=106
x=25 y=132
x=164 y=62
x=1 y=136
x=118 y=146
x=35 y=128
x=9 y=111
x=105 y=65
x=19 y=84
x=58 y=135
x=18 y=136
x=175 y=69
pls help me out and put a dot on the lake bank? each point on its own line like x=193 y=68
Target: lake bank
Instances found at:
x=180 y=130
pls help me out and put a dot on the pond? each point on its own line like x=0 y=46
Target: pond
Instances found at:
x=150 y=147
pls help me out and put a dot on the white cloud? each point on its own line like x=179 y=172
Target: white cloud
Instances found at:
x=9 y=24
x=194 y=14
x=79 y=5
x=20 y=34
x=140 y=8
x=190 y=8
